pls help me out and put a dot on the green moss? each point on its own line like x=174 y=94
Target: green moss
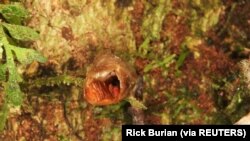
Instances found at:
x=152 y=23
x=111 y=134
x=204 y=15
x=114 y=112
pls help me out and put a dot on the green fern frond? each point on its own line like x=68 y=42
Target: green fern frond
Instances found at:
x=57 y=80
x=10 y=78
x=21 y=32
x=14 y=13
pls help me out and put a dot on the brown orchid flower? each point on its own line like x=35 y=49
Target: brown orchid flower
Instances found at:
x=109 y=80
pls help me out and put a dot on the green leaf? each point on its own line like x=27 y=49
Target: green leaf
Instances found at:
x=158 y=63
x=2 y=72
x=181 y=58
x=2 y=34
x=14 y=94
x=1 y=51
x=135 y=103
x=27 y=56
x=21 y=32
x=13 y=74
x=14 y=13
x=3 y=115
x=144 y=47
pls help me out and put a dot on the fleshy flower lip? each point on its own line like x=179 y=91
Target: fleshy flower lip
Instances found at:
x=109 y=80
